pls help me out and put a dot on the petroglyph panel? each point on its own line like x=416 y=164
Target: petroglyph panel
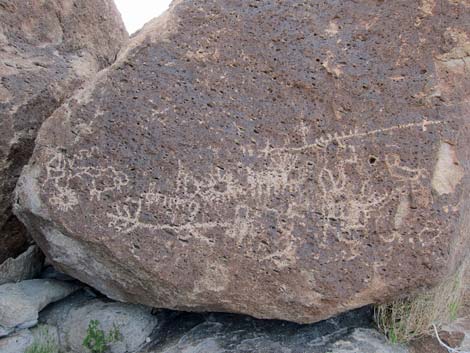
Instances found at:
x=279 y=159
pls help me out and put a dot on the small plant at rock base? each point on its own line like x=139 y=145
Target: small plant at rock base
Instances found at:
x=96 y=340
x=392 y=336
x=408 y=318
x=41 y=348
x=453 y=310
x=43 y=342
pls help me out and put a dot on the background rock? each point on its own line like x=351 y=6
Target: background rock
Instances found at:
x=26 y=266
x=457 y=334
x=286 y=160
x=426 y=344
x=20 y=303
x=465 y=307
x=13 y=237
x=49 y=272
x=47 y=50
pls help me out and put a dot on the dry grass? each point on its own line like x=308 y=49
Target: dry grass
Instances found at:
x=43 y=342
x=409 y=318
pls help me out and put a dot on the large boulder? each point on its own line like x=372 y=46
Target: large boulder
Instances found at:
x=287 y=160
x=47 y=50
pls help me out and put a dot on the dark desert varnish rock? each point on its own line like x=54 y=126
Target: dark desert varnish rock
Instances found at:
x=47 y=50
x=282 y=159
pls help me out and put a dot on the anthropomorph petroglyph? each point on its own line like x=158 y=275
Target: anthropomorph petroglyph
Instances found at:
x=321 y=190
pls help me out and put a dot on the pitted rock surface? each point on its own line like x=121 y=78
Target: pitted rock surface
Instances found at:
x=47 y=50
x=286 y=160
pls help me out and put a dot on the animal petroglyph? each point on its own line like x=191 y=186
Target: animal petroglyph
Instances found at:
x=62 y=171
x=321 y=190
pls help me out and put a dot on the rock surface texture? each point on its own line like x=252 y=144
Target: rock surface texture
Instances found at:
x=47 y=50
x=288 y=160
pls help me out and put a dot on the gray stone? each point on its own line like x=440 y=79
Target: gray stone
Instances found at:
x=56 y=314
x=26 y=266
x=17 y=342
x=49 y=272
x=43 y=337
x=365 y=341
x=218 y=333
x=20 y=303
x=72 y=316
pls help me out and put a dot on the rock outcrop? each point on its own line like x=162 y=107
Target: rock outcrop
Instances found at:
x=287 y=160
x=47 y=50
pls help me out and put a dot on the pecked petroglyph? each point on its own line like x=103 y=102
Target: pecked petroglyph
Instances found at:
x=126 y=219
x=61 y=171
x=321 y=191
x=341 y=138
x=346 y=203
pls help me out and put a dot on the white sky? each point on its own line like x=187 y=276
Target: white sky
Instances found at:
x=136 y=13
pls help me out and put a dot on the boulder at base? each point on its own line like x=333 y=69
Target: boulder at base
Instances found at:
x=47 y=50
x=20 y=303
x=226 y=333
x=283 y=159
x=130 y=324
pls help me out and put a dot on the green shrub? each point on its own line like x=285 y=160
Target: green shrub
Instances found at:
x=96 y=340
x=43 y=342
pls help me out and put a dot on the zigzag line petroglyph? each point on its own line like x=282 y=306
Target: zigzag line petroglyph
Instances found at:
x=324 y=141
